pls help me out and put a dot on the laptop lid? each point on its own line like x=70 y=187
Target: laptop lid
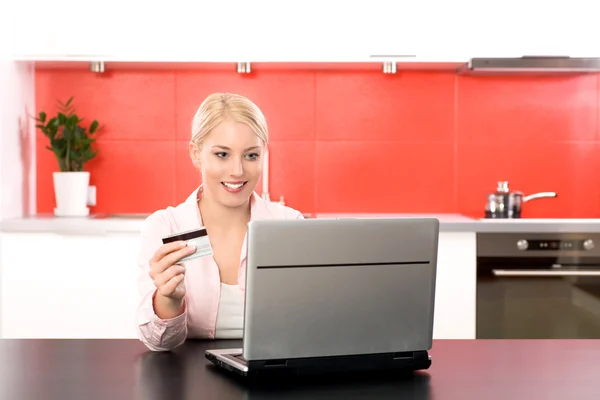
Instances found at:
x=332 y=287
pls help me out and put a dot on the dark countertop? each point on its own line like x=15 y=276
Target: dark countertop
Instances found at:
x=461 y=369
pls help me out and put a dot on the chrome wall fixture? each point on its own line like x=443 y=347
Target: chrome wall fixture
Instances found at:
x=243 y=68
x=389 y=67
x=97 y=66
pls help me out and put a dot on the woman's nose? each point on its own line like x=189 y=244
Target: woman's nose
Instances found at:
x=237 y=168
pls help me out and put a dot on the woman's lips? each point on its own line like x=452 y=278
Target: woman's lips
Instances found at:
x=233 y=187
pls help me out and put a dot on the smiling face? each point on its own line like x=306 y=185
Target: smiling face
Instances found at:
x=229 y=159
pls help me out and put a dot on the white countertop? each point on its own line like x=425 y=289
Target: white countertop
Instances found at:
x=542 y=221
x=448 y=223
x=443 y=218
x=74 y=225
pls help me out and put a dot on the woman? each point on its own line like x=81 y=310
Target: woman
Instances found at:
x=204 y=298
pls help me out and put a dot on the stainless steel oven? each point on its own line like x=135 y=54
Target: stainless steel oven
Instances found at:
x=538 y=285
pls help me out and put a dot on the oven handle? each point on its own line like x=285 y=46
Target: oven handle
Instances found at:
x=543 y=273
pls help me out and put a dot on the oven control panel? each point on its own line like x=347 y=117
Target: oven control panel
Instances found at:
x=568 y=244
x=538 y=244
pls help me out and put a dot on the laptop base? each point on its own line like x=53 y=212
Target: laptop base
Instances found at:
x=231 y=360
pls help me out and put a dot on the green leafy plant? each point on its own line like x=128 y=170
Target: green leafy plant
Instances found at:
x=70 y=142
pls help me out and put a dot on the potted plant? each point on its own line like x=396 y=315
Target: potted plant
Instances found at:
x=71 y=144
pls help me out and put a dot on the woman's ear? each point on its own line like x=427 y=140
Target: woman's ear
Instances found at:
x=195 y=154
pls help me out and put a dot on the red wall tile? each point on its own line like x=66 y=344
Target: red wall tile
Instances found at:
x=345 y=141
x=532 y=110
x=568 y=168
x=131 y=105
x=385 y=177
x=286 y=99
x=141 y=172
x=540 y=134
x=371 y=106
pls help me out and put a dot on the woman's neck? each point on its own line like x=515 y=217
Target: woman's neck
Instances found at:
x=219 y=216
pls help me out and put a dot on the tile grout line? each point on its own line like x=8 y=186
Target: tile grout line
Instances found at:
x=315 y=146
x=455 y=147
x=597 y=142
x=597 y=136
x=175 y=183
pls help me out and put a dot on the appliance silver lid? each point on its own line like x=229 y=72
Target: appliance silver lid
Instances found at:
x=535 y=64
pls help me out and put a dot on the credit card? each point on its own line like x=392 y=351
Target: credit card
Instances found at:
x=195 y=237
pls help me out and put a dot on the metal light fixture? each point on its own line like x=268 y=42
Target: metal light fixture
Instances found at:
x=243 y=68
x=97 y=66
x=389 y=67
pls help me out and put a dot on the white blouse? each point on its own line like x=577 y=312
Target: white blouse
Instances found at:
x=230 y=318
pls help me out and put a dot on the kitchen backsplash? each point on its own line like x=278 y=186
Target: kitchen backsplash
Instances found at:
x=344 y=141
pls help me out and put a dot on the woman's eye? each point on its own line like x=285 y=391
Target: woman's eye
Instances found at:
x=252 y=156
x=221 y=154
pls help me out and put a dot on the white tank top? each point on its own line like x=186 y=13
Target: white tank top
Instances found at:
x=230 y=318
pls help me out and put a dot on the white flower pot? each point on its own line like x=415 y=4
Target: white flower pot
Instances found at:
x=71 y=193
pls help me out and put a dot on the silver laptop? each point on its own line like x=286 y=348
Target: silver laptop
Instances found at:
x=336 y=295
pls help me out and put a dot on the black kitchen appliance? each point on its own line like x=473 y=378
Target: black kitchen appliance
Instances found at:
x=505 y=203
x=538 y=285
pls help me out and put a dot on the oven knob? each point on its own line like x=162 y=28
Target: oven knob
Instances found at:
x=588 y=244
x=522 y=244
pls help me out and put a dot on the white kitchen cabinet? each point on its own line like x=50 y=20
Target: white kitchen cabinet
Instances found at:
x=61 y=30
x=82 y=285
x=270 y=30
x=517 y=28
x=455 y=291
x=229 y=31
x=68 y=286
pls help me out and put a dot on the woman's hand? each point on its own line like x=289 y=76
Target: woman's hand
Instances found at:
x=168 y=277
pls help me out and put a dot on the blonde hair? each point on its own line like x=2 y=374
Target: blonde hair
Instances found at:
x=217 y=107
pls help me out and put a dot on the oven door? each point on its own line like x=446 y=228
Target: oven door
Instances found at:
x=546 y=296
